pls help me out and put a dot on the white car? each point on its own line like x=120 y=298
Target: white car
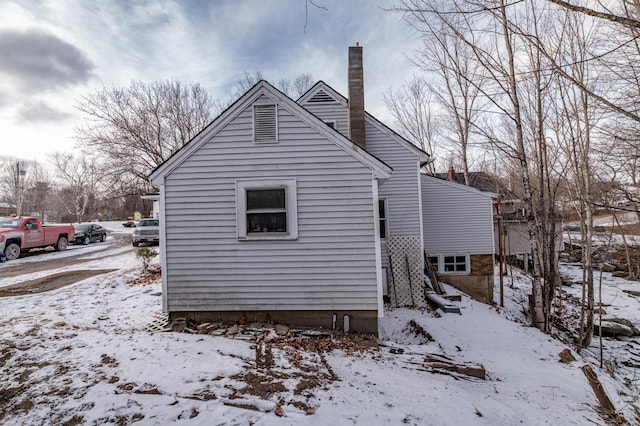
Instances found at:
x=147 y=232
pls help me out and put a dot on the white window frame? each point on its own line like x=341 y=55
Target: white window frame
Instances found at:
x=441 y=265
x=291 y=208
x=385 y=219
x=256 y=107
x=332 y=123
x=435 y=261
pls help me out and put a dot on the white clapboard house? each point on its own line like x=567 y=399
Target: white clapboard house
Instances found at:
x=297 y=212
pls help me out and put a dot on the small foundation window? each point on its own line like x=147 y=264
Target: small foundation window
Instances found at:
x=450 y=263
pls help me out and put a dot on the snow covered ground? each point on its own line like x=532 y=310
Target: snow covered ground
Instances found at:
x=85 y=354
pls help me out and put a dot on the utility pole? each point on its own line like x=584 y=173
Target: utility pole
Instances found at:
x=20 y=171
x=498 y=205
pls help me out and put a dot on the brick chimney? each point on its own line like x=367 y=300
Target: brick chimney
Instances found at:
x=356 y=97
x=452 y=173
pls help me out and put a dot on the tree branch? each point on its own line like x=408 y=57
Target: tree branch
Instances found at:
x=623 y=20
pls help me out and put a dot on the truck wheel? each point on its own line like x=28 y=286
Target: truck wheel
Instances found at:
x=86 y=241
x=136 y=244
x=103 y=238
x=62 y=244
x=12 y=251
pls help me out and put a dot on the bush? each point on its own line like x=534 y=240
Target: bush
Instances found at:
x=145 y=254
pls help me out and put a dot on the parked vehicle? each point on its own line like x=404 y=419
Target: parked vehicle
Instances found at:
x=18 y=234
x=88 y=233
x=129 y=223
x=147 y=232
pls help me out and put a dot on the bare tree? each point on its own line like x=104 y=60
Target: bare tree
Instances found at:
x=296 y=87
x=492 y=33
x=14 y=180
x=457 y=89
x=411 y=109
x=246 y=82
x=37 y=190
x=625 y=19
x=80 y=178
x=137 y=128
x=576 y=119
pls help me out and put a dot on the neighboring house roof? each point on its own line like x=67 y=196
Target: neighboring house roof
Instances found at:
x=263 y=88
x=457 y=187
x=483 y=182
x=323 y=91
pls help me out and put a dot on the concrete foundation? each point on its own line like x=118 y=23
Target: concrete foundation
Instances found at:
x=359 y=321
x=479 y=287
x=479 y=283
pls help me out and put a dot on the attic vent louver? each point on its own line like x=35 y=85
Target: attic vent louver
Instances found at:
x=265 y=129
x=321 y=96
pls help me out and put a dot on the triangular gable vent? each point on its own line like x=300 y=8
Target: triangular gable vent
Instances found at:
x=321 y=96
x=265 y=125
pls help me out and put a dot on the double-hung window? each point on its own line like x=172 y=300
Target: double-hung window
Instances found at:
x=266 y=209
x=382 y=214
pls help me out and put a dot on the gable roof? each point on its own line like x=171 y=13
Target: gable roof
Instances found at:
x=456 y=186
x=484 y=182
x=322 y=92
x=263 y=88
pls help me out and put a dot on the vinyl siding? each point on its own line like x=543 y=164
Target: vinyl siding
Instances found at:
x=331 y=266
x=457 y=219
x=331 y=111
x=402 y=189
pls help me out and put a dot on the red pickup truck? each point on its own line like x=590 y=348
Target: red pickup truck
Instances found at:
x=18 y=234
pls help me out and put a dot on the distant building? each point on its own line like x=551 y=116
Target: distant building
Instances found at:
x=6 y=209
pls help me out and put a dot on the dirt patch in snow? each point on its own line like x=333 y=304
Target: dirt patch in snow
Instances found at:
x=51 y=282
x=9 y=270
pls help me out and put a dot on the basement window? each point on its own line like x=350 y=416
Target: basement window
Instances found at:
x=450 y=263
x=454 y=263
x=435 y=262
x=265 y=123
x=266 y=209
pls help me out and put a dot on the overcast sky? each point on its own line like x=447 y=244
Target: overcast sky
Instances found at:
x=52 y=52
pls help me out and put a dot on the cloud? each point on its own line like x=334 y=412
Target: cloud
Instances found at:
x=40 y=112
x=4 y=99
x=42 y=61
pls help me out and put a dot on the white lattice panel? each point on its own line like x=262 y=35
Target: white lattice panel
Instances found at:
x=406 y=287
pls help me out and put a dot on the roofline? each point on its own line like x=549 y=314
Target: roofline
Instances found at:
x=379 y=168
x=423 y=156
x=460 y=186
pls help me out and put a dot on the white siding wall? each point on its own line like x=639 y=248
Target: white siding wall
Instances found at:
x=331 y=111
x=330 y=266
x=457 y=219
x=402 y=189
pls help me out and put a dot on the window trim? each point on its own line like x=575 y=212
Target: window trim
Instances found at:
x=332 y=123
x=441 y=265
x=385 y=219
x=291 y=208
x=256 y=107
